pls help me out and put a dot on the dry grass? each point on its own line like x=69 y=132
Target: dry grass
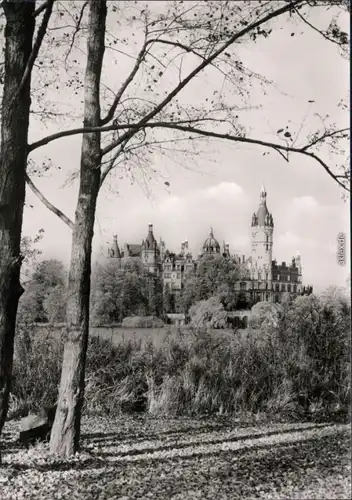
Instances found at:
x=188 y=373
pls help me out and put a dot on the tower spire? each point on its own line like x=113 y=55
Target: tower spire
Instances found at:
x=262 y=194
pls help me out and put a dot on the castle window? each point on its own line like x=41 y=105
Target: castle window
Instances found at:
x=288 y=288
x=294 y=288
x=278 y=277
x=288 y=278
x=277 y=287
x=282 y=287
x=259 y=276
x=266 y=276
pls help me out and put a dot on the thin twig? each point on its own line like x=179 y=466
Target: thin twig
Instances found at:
x=78 y=27
x=316 y=29
x=124 y=86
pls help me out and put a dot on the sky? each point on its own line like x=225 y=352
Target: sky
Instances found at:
x=220 y=186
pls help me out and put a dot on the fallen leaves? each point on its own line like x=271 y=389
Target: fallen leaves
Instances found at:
x=144 y=457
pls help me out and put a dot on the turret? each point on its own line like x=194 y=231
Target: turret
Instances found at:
x=262 y=237
x=151 y=252
x=298 y=261
x=150 y=240
x=162 y=249
x=226 y=251
x=114 y=250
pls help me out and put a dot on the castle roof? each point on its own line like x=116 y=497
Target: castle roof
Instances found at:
x=263 y=209
x=263 y=217
x=134 y=250
x=211 y=244
x=150 y=241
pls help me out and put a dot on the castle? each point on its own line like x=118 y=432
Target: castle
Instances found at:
x=262 y=278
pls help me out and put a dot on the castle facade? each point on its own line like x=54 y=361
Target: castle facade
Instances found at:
x=262 y=278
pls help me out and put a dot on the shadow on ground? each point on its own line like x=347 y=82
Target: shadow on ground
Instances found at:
x=230 y=474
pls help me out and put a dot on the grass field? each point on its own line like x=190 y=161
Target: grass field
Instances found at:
x=119 y=335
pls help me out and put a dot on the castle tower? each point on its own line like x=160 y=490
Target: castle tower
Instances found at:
x=262 y=240
x=114 y=250
x=226 y=249
x=162 y=249
x=150 y=252
x=298 y=260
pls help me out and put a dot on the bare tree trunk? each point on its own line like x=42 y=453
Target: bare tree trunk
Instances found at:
x=19 y=33
x=65 y=434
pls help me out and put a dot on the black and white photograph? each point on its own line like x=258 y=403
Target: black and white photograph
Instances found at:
x=175 y=277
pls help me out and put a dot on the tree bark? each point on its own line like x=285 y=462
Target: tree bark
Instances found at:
x=65 y=434
x=19 y=32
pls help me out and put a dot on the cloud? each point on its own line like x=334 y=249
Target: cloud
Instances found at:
x=305 y=202
x=288 y=240
x=224 y=191
x=240 y=244
x=172 y=203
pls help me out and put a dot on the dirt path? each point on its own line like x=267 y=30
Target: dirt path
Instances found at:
x=185 y=459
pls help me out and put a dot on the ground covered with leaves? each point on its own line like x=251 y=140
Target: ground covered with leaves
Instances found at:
x=184 y=458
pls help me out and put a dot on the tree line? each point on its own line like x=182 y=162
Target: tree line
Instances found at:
x=131 y=290
x=118 y=292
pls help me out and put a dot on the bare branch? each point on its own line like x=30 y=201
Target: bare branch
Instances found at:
x=111 y=163
x=107 y=128
x=128 y=80
x=129 y=133
x=271 y=145
x=49 y=205
x=286 y=8
x=78 y=27
x=325 y=136
x=316 y=29
x=281 y=154
x=37 y=44
x=188 y=126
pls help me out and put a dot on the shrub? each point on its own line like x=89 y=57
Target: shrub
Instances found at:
x=265 y=314
x=208 y=313
x=142 y=322
x=296 y=369
x=36 y=369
